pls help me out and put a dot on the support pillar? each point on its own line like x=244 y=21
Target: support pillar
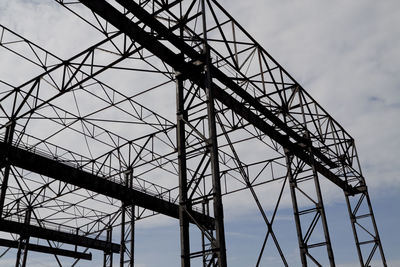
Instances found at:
x=4 y=183
x=127 y=236
x=298 y=172
x=219 y=244
x=293 y=185
x=183 y=190
x=22 y=253
x=363 y=221
x=127 y=253
x=108 y=254
x=213 y=250
x=207 y=246
x=22 y=248
x=321 y=210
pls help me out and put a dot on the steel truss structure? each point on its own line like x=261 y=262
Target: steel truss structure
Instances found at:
x=206 y=114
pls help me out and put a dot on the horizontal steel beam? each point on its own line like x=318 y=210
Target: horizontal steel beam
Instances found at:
x=64 y=237
x=51 y=168
x=47 y=250
x=193 y=73
x=156 y=25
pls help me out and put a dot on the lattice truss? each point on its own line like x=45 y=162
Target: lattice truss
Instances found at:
x=176 y=108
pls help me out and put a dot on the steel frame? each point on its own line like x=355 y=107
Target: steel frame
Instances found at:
x=229 y=93
x=302 y=174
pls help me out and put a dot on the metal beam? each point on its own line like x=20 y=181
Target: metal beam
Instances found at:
x=148 y=19
x=47 y=250
x=48 y=167
x=193 y=72
x=64 y=237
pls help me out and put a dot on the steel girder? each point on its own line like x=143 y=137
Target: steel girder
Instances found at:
x=37 y=231
x=48 y=250
x=71 y=175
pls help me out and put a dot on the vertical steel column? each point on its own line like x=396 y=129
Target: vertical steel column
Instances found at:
x=23 y=244
x=122 y=249
x=181 y=118
x=319 y=205
x=217 y=198
x=183 y=190
x=354 y=211
x=133 y=237
x=206 y=244
x=3 y=191
x=4 y=184
x=363 y=199
x=293 y=186
x=321 y=209
x=127 y=253
x=300 y=175
x=108 y=254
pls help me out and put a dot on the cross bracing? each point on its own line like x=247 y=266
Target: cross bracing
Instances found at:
x=174 y=110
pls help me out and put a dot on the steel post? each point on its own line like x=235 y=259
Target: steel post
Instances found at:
x=355 y=220
x=183 y=190
x=127 y=253
x=108 y=254
x=219 y=245
x=4 y=183
x=321 y=210
x=23 y=245
x=292 y=185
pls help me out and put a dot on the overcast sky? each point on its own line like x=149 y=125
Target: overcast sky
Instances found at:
x=346 y=54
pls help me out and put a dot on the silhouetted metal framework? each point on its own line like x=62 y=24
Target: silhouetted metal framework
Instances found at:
x=82 y=160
